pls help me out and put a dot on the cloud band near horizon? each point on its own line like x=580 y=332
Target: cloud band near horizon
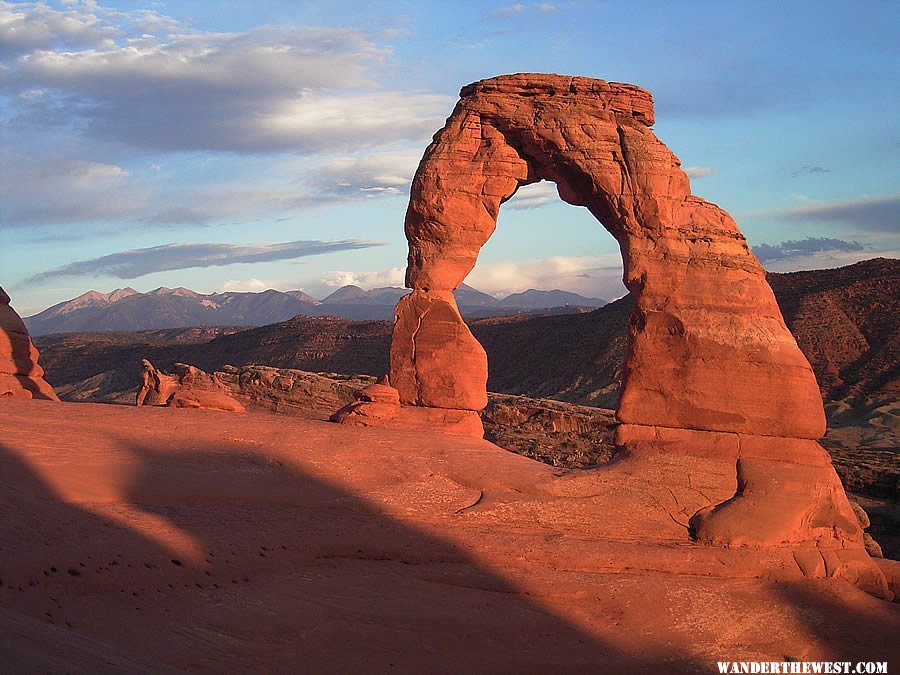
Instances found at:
x=804 y=247
x=136 y=263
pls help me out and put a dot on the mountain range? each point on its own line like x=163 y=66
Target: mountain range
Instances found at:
x=125 y=309
x=846 y=321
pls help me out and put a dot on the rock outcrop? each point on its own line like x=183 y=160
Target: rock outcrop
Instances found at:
x=379 y=405
x=186 y=387
x=709 y=348
x=20 y=374
x=712 y=371
x=289 y=391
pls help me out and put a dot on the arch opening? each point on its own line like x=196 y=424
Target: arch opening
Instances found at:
x=543 y=243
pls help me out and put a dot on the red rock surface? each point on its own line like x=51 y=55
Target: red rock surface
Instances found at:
x=186 y=387
x=379 y=405
x=378 y=393
x=289 y=391
x=148 y=539
x=431 y=337
x=20 y=374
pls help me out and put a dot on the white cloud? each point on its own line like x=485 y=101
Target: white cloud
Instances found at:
x=376 y=173
x=592 y=276
x=246 y=285
x=546 y=8
x=510 y=10
x=89 y=90
x=532 y=196
x=366 y=280
x=273 y=89
x=698 y=171
x=25 y=27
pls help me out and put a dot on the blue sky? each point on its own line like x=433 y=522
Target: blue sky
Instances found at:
x=248 y=145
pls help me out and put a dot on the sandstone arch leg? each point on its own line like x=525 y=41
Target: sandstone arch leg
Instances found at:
x=712 y=370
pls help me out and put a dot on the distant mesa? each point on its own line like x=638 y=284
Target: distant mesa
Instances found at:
x=534 y=299
x=125 y=309
x=20 y=374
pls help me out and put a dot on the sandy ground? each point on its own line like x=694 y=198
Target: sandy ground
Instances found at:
x=166 y=540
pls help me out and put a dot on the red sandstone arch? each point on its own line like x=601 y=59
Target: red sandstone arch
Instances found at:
x=712 y=375
x=709 y=350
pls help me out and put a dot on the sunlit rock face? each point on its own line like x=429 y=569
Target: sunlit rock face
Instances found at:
x=709 y=347
x=712 y=371
x=20 y=374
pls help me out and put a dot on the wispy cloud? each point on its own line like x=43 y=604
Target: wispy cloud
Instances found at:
x=803 y=247
x=373 y=174
x=44 y=191
x=533 y=196
x=874 y=214
x=510 y=10
x=138 y=262
x=591 y=276
x=699 y=171
x=810 y=170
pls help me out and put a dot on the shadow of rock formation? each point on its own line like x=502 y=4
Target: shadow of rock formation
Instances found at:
x=293 y=574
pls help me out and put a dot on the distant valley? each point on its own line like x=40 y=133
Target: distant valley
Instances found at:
x=126 y=309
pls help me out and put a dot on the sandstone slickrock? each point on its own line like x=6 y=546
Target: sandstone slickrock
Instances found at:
x=712 y=371
x=20 y=374
x=212 y=541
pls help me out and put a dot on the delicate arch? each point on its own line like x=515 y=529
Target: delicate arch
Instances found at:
x=715 y=388
x=709 y=349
